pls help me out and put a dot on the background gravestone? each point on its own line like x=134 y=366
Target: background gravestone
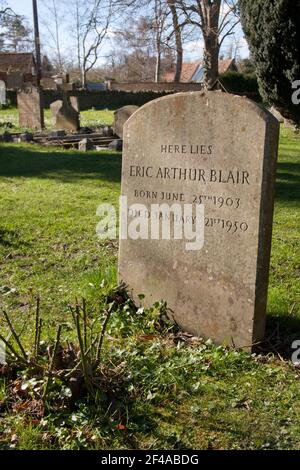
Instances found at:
x=54 y=108
x=74 y=101
x=2 y=93
x=67 y=117
x=57 y=105
x=219 y=150
x=121 y=116
x=30 y=107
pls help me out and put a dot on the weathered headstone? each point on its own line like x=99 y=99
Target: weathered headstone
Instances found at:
x=54 y=108
x=121 y=116
x=67 y=117
x=75 y=103
x=2 y=93
x=30 y=107
x=218 y=150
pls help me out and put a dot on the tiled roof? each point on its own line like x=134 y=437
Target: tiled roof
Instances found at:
x=190 y=68
x=225 y=65
x=16 y=62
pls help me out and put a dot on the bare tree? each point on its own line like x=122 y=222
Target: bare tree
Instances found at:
x=5 y=10
x=92 y=20
x=151 y=36
x=54 y=27
x=216 y=20
x=160 y=15
x=178 y=39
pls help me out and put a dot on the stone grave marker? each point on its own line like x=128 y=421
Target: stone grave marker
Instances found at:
x=218 y=150
x=30 y=107
x=2 y=93
x=67 y=117
x=75 y=103
x=56 y=105
x=121 y=116
x=54 y=108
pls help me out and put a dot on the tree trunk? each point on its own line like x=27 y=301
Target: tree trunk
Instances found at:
x=158 y=67
x=210 y=29
x=83 y=77
x=178 y=40
x=158 y=29
x=211 y=62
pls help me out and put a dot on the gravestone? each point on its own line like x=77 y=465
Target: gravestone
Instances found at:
x=67 y=117
x=2 y=93
x=54 y=108
x=277 y=114
x=121 y=116
x=75 y=103
x=30 y=107
x=218 y=150
x=56 y=105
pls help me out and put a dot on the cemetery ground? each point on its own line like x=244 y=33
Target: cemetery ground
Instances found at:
x=89 y=118
x=159 y=388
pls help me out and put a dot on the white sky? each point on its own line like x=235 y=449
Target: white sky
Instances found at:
x=192 y=50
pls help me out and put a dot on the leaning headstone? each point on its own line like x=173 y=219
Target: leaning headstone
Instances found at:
x=220 y=151
x=55 y=107
x=30 y=107
x=2 y=93
x=67 y=117
x=75 y=103
x=121 y=116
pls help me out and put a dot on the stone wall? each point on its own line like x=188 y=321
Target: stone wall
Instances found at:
x=154 y=87
x=103 y=99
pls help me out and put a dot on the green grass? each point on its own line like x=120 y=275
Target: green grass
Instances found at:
x=90 y=118
x=200 y=397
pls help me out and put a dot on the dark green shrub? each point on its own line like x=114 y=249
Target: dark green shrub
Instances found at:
x=272 y=29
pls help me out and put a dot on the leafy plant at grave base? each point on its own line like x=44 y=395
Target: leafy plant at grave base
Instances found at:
x=99 y=379
x=56 y=375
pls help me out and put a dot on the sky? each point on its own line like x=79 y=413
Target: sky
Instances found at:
x=192 y=50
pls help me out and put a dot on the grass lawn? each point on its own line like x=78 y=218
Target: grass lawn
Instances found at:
x=173 y=396
x=90 y=118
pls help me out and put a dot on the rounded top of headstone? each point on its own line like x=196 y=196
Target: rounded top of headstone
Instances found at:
x=218 y=102
x=121 y=116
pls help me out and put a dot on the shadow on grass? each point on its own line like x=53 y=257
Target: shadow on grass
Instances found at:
x=288 y=182
x=16 y=161
x=10 y=239
x=281 y=332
